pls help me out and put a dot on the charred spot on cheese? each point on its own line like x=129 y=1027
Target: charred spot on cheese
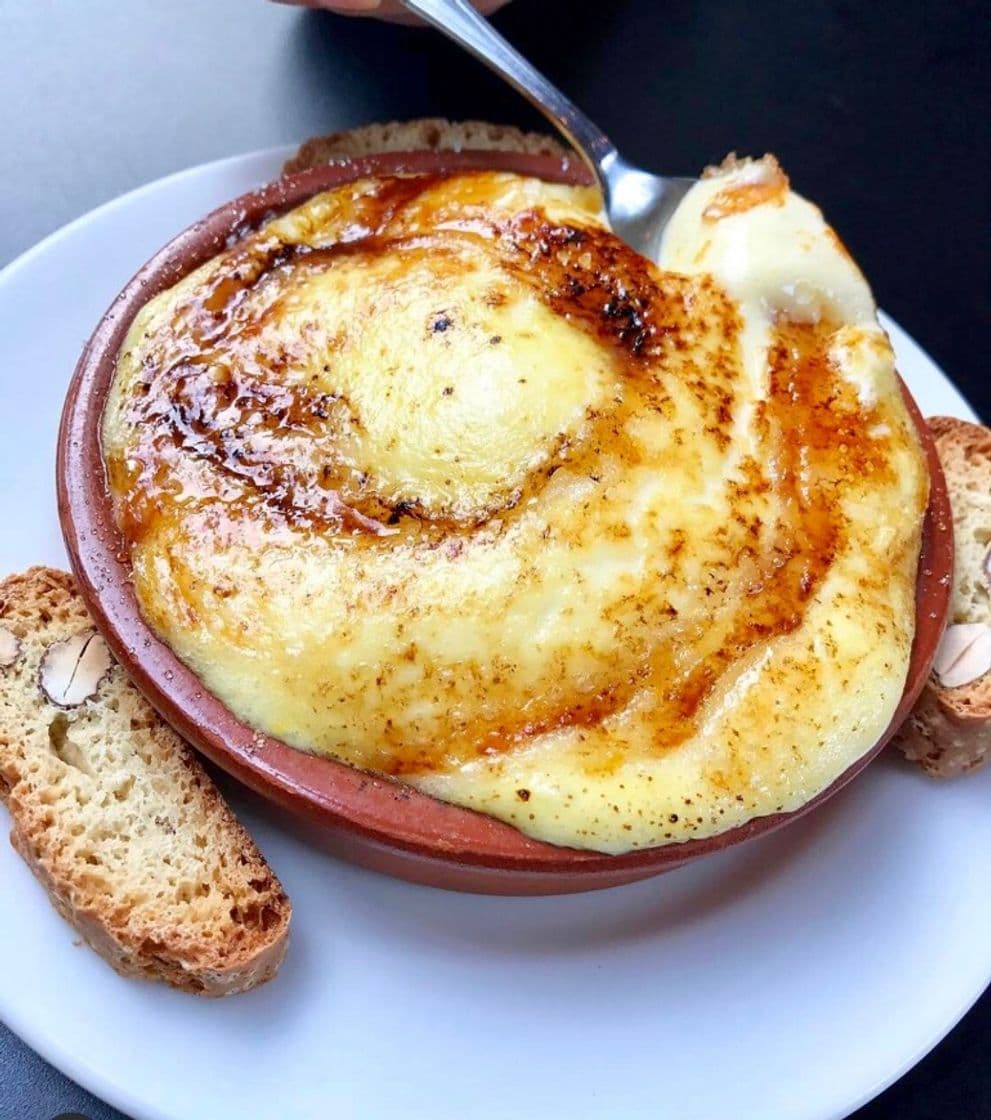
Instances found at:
x=511 y=510
x=750 y=183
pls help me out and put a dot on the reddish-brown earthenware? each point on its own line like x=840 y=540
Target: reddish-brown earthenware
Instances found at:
x=373 y=821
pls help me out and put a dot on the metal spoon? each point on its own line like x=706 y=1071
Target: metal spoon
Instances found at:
x=638 y=204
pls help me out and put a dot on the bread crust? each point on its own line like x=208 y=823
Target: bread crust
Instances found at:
x=424 y=134
x=187 y=899
x=949 y=730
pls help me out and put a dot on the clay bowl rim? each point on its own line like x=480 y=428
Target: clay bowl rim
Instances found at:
x=379 y=811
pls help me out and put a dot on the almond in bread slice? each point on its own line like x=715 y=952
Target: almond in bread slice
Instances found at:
x=424 y=134
x=114 y=814
x=949 y=730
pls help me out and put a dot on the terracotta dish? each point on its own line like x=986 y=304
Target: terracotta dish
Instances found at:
x=373 y=821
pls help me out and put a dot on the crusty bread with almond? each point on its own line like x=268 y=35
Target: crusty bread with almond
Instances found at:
x=114 y=814
x=949 y=730
x=425 y=134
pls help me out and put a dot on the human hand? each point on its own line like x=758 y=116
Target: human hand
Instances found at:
x=390 y=10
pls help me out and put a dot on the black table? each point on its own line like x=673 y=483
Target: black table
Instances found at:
x=878 y=111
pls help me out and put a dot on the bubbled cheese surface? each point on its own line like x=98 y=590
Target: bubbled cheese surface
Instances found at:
x=435 y=476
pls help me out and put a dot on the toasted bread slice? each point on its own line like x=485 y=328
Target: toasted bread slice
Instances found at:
x=425 y=134
x=114 y=814
x=949 y=730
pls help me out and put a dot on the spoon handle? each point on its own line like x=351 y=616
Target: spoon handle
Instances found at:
x=461 y=22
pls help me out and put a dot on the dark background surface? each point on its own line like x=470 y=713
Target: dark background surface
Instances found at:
x=877 y=110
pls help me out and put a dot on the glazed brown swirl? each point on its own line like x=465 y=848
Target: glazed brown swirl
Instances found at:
x=436 y=475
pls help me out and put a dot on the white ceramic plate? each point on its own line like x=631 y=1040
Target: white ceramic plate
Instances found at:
x=792 y=978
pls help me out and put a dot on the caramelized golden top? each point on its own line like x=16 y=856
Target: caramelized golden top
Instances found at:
x=438 y=476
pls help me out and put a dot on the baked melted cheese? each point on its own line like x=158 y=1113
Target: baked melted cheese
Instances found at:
x=436 y=476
